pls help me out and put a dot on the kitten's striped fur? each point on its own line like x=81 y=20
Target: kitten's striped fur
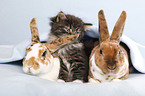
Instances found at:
x=73 y=60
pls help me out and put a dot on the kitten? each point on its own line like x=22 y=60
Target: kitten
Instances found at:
x=73 y=60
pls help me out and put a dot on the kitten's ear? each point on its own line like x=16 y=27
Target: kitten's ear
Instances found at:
x=87 y=25
x=60 y=16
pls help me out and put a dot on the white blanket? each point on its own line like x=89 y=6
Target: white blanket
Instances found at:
x=10 y=53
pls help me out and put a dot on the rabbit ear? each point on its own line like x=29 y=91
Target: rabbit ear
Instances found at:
x=103 y=29
x=60 y=16
x=119 y=26
x=34 y=31
x=60 y=42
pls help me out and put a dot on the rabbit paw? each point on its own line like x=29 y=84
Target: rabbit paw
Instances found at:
x=92 y=81
x=116 y=80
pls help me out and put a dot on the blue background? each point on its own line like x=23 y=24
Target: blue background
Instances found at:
x=15 y=16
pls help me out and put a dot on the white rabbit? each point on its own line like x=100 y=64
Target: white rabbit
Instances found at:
x=109 y=60
x=39 y=60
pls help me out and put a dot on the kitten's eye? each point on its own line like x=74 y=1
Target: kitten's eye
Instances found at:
x=76 y=29
x=101 y=52
x=44 y=54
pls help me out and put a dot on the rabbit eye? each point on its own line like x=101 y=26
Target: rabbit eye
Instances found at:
x=101 y=52
x=28 y=48
x=44 y=53
x=119 y=52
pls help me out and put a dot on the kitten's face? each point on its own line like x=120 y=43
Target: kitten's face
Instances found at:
x=63 y=25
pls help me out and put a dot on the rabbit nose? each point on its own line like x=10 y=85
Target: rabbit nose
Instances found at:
x=29 y=67
x=111 y=67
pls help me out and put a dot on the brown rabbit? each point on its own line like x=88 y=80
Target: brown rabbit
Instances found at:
x=109 y=60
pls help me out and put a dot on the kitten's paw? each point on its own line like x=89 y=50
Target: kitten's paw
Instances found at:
x=60 y=80
x=78 y=81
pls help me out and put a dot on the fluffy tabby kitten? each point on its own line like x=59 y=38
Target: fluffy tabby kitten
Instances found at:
x=74 y=62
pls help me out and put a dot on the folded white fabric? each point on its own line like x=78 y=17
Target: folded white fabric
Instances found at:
x=10 y=53
x=136 y=52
